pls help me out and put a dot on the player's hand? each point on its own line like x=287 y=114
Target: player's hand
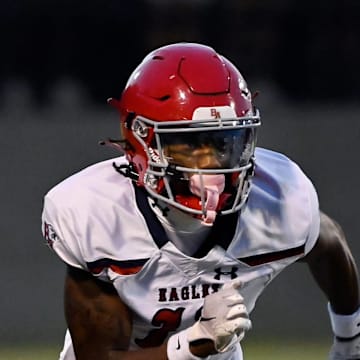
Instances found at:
x=224 y=318
x=345 y=349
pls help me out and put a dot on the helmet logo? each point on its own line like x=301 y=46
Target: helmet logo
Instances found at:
x=215 y=113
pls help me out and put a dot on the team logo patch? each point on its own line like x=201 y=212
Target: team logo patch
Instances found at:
x=216 y=112
x=49 y=234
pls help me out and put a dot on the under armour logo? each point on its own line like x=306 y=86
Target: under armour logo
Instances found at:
x=232 y=273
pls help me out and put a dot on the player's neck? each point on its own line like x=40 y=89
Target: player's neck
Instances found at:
x=185 y=231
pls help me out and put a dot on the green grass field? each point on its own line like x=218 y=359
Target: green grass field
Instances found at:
x=28 y=353
x=289 y=350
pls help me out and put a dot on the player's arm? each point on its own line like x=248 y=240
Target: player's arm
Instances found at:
x=334 y=268
x=99 y=322
x=335 y=271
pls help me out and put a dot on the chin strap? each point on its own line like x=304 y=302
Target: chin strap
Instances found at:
x=126 y=170
x=208 y=187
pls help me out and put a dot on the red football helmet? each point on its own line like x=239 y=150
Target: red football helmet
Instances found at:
x=189 y=130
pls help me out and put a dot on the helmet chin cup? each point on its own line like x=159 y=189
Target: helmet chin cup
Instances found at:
x=208 y=188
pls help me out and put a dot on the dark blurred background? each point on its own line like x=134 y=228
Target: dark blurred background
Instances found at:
x=308 y=48
x=59 y=61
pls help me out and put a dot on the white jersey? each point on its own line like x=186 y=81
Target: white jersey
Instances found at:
x=98 y=221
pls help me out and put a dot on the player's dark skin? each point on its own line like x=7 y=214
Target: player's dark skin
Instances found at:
x=100 y=323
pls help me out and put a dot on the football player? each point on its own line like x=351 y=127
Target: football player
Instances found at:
x=168 y=246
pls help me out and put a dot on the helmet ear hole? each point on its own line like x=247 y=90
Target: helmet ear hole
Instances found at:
x=140 y=128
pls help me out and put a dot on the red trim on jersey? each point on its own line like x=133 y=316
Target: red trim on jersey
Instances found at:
x=125 y=267
x=125 y=271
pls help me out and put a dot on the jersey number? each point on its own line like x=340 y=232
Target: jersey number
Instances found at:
x=166 y=320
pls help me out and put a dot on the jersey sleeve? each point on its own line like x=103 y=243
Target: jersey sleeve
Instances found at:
x=59 y=230
x=314 y=218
